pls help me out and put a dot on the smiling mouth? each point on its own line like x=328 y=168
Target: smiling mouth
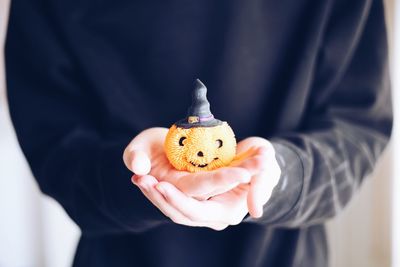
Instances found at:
x=201 y=165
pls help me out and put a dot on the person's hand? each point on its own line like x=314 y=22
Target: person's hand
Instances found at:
x=257 y=155
x=145 y=156
x=229 y=208
x=216 y=213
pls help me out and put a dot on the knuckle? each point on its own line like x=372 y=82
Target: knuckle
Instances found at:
x=239 y=215
x=236 y=221
x=175 y=220
x=192 y=217
x=220 y=227
x=235 y=218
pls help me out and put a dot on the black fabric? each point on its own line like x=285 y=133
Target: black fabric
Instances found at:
x=84 y=77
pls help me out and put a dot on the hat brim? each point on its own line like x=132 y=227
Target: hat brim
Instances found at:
x=185 y=124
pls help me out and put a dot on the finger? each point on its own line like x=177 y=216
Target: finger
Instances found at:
x=217 y=191
x=250 y=147
x=233 y=195
x=243 y=155
x=147 y=185
x=138 y=162
x=261 y=188
x=219 y=227
x=143 y=145
x=257 y=193
x=236 y=189
x=250 y=142
x=147 y=139
x=255 y=162
x=227 y=211
x=205 y=183
x=198 y=211
x=235 y=200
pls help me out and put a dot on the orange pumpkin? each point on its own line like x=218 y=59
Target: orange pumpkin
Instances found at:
x=200 y=148
x=200 y=142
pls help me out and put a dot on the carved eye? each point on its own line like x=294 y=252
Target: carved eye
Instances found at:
x=181 y=141
x=219 y=143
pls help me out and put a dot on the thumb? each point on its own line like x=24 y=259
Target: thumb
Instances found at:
x=138 y=162
x=139 y=151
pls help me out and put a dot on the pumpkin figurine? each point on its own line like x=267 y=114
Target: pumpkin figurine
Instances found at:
x=200 y=142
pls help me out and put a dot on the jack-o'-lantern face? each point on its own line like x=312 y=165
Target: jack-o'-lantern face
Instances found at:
x=200 y=148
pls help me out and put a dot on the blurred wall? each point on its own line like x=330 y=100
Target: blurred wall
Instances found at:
x=35 y=231
x=362 y=234
x=396 y=141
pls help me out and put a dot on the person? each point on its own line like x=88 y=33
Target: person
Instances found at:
x=304 y=85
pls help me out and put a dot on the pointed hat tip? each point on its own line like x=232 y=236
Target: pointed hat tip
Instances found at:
x=199 y=113
x=198 y=83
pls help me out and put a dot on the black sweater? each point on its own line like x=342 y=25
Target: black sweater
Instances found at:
x=84 y=77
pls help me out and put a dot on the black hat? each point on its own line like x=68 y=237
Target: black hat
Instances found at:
x=199 y=114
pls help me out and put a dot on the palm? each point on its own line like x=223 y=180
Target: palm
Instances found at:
x=250 y=154
x=249 y=161
x=250 y=177
x=201 y=185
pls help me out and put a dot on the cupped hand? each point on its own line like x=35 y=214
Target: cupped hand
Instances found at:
x=145 y=156
x=257 y=155
x=218 y=212
x=213 y=199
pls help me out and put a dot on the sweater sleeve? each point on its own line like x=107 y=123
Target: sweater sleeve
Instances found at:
x=74 y=158
x=347 y=126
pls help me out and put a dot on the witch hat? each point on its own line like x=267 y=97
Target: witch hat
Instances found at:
x=199 y=114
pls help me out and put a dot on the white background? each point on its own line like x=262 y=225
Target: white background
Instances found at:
x=36 y=232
